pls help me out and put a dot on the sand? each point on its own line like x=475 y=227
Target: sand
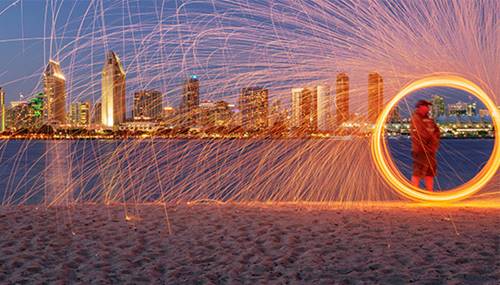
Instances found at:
x=238 y=244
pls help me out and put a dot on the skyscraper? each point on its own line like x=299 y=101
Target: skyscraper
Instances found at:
x=214 y=114
x=147 y=105
x=79 y=114
x=306 y=108
x=113 y=91
x=55 y=94
x=342 y=99
x=438 y=106
x=277 y=115
x=190 y=100
x=2 y=110
x=375 y=96
x=296 y=107
x=472 y=109
x=190 y=94
x=254 y=108
x=324 y=107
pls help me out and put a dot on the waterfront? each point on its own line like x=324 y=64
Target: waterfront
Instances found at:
x=175 y=170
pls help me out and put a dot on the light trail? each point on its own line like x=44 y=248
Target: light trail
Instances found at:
x=233 y=44
x=390 y=172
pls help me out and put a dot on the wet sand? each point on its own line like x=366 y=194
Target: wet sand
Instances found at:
x=238 y=244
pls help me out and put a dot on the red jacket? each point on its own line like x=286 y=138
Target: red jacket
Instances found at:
x=424 y=134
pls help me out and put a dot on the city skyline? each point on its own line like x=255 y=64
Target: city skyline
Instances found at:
x=312 y=108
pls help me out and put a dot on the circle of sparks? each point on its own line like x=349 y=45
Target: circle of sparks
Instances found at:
x=397 y=181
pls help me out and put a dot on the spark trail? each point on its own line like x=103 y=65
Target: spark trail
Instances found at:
x=235 y=44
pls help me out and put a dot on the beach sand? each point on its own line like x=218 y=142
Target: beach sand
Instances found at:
x=241 y=244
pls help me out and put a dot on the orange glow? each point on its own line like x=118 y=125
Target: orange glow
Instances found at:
x=389 y=171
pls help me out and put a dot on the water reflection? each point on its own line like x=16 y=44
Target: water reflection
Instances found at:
x=57 y=174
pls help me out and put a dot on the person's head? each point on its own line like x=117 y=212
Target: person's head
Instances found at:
x=422 y=107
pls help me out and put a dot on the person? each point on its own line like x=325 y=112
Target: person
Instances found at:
x=425 y=143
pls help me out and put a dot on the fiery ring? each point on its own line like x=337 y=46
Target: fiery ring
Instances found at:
x=393 y=177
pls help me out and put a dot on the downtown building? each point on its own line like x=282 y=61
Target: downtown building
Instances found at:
x=375 y=96
x=169 y=116
x=312 y=108
x=79 y=114
x=457 y=109
x=438 y=107
x=254 y=108
x=190 y=101
x=113 y=108
x=148 y=105
x=19 y=116
x=278 y=114
x=214 y=114
x=54 y=84
x=472 y=109
x=342 y=114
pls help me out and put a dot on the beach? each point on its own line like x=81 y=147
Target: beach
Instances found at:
x=210 y=243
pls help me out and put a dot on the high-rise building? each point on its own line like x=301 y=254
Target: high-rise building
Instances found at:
x=190 y=94
x=438 y=107
x=457 y=109
x=254 y=108
x=375 y=96
x=55 y=94
x=324 y=107
x=2 y=110
x=277 y=114
x=147 y=105
x=296 y=107
x=19 y=116
x=311 y=108
x=79 y=114
x=471 y=109
x=214 y=113
x=113 y=107
x=190 y=101
x=342 y=99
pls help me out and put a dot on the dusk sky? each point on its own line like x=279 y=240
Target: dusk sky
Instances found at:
x=155 y=42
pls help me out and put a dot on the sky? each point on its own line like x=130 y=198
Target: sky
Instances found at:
x=78 y=33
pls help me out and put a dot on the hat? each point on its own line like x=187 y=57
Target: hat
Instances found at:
x=423 y=103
